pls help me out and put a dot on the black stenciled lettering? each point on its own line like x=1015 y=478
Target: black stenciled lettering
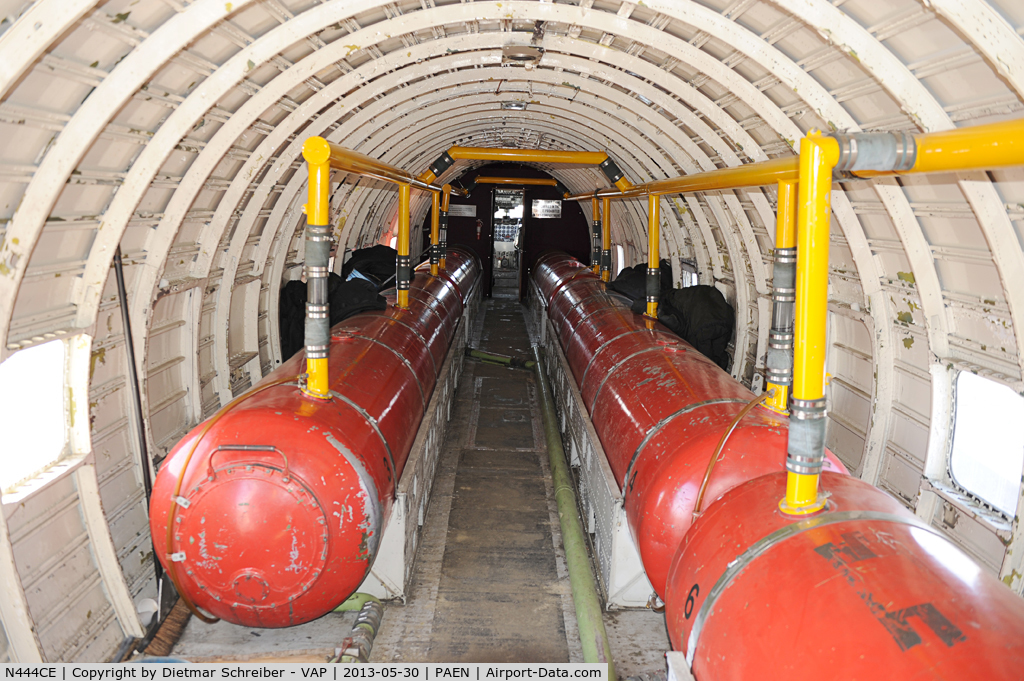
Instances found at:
x=945 y=630
x=691 y=600
x=854 y=549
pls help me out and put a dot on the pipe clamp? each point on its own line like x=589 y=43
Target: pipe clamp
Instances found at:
x=314 y=311
x=808 y=410
x=316 y=351
x=313 y=272
x=785 y=255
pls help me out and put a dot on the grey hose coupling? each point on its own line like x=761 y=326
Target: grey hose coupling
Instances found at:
x=879 y=151
x=404 y=272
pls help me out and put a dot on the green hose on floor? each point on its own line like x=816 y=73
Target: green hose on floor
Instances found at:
x=356 y=602
x=589 y=613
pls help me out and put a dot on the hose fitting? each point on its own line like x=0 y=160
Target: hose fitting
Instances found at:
x=404 y=272
x=443 y=163
x=653 y=291
x=806 y=451
x=779 y=360
x=317 y=325
x=883 y=151
x=611 y=170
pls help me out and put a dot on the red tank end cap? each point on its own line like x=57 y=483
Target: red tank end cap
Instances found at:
x=862 y=591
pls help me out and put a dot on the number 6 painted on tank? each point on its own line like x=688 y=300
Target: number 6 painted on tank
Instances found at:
x=691 y=600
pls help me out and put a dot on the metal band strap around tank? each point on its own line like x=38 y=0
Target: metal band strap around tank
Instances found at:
x=664 y=422
x=436 y=299
x=410 y=328
x=601 y=347
x=376 y=428
x=432 y=308
x=613 y=295
x=396 y=353
x=445 y=282
x=758 y=548
x=574 y=279
x=576 y=328
x=615 y=368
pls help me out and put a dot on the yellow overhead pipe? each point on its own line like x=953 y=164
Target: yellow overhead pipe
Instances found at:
x=995 y=145
x=818 y=156
x=606 y=240
x=653 y=255
x=540 y=181
x=979 y=147
x=598 y=158
x=589 y=158
x=353 y=162
x=749 y=175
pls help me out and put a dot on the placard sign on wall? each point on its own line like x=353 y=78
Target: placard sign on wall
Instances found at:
x=462 y=210
x=546 y=209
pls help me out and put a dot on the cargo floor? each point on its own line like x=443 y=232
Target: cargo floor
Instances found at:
x=490 y=583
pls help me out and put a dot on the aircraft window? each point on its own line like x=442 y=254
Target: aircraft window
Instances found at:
x=620 y=260
x=988 y=441
x=689 y=274
x=32 y=411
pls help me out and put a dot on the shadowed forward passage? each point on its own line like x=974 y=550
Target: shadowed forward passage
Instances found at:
x=490 y=582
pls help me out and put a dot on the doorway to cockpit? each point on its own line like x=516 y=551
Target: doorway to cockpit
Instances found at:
x=546 y=223
x=507 y=216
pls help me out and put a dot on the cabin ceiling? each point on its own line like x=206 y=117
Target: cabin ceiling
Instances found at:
x=175 y=129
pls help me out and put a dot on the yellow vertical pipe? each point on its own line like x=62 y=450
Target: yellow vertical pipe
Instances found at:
x=814 y=208
x=606 y=235
x=595 y=208
x=818 y=156
x=785 y=224
x=404 y=191
x=653 y=244
x=435 y=231
x=317 y=213
x=785 y=237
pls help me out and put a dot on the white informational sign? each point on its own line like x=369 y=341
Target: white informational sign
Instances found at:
x=546 y=209
x=462 y=210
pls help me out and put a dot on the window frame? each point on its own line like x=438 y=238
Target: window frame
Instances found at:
x=77 y=448
x=955 y=484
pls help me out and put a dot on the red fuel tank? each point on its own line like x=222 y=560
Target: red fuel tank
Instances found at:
x=279 y=501
x=659 y=408
x=862 y=591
